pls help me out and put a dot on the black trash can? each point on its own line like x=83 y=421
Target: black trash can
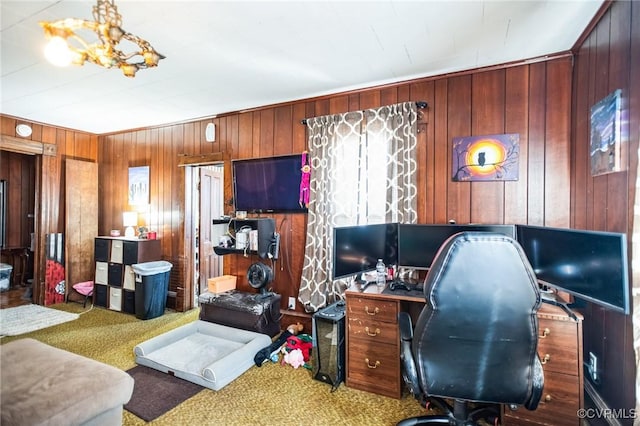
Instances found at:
x=152 y=285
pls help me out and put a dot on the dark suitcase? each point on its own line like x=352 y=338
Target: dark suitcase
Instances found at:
x=248 y=311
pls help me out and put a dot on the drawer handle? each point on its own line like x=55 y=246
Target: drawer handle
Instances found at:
x=545 y=359
x=545 y=333
x=369 y=364
x=375 y=311
x=374 y=334
x=547 y=398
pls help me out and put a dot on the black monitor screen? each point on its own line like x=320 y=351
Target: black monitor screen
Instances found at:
x=591 y=265
x=268 y=185
x=418 y=244
x=357 y=248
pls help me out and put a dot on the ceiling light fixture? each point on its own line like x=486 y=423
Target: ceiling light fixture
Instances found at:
x=66 y=46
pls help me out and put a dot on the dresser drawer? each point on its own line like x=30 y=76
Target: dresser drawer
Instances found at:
x=557 y=346
x=558 y=406
x=374 y=331
x=378 y=310
x=374 y=367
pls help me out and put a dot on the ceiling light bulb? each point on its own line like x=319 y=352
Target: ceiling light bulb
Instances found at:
x=57 y=52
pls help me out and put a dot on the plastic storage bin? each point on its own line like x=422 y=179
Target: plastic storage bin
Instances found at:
x=5 y=276
x=152 y=285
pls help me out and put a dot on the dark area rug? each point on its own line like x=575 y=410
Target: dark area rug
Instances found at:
x=155 y=392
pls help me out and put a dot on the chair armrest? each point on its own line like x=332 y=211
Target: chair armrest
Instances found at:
x=406 y=327
x=538 y=384
x=409 y=371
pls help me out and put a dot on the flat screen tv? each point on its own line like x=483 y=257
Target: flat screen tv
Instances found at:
x=356 y=249
x=591 y=265
x=268 y=185
x=418 y=244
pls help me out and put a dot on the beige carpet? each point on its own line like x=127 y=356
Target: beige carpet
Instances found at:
x=270 y=395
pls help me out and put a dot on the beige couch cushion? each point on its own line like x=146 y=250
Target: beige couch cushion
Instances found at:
x=43 y=385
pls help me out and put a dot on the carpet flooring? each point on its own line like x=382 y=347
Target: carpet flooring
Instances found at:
x=155 y=392
x=27 y=318
x=273 y=394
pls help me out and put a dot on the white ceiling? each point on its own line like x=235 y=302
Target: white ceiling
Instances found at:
x=227 y=56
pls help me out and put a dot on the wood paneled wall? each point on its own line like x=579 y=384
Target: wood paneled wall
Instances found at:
x=533 y=100
x=49 y=196
x=608 y=59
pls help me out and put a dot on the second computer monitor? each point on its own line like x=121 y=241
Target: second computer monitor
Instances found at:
x=418 y=244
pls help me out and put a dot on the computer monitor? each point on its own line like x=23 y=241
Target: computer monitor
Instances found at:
x=591 y=265
x=356 y=249
x=418 y=244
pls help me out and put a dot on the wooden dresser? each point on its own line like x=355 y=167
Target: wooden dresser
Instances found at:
x=373 y=355
x=560 y=350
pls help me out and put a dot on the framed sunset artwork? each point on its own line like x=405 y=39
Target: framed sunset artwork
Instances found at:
x=485 y=158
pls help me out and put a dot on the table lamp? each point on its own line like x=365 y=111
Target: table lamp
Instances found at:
x=130 y=220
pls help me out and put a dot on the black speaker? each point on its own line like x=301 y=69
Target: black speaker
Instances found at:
x=329 y=344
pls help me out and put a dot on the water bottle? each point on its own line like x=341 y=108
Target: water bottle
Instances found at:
x=381 y=273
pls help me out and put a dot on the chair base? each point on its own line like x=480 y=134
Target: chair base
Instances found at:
x=457 y=415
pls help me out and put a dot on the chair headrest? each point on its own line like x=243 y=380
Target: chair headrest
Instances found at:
x=469 y=265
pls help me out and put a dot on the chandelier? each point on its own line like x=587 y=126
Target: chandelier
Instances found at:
x=66 y=46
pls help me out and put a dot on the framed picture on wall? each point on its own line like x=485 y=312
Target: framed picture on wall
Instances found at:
x=138 y=185
x=485 y=158
x=604 y=146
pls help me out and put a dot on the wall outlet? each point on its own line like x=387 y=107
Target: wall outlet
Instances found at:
x=292 y=303
x=593 y=366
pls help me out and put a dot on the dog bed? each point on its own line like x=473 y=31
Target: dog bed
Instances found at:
x=205 y=353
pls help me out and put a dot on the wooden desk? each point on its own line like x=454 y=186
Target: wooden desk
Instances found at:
x=373 y=353
x=373 y=342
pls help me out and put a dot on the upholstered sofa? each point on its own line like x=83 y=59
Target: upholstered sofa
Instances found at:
x=43 y=385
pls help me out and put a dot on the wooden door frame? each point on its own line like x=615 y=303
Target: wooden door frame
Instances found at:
x=189 y=162
x=39 y=149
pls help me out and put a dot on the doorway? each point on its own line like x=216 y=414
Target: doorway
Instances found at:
x=17 y=233
x=208 y=199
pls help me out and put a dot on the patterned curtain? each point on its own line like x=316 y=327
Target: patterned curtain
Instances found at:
x=363 y=171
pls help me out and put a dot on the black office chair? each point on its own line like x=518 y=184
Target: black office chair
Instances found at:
x=475 y=341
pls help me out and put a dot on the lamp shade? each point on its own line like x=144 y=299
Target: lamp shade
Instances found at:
x=130 y=218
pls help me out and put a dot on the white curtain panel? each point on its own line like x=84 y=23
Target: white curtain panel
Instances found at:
x=363 y=171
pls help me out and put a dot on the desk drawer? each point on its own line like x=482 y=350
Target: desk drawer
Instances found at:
x=378 y=310
x=557 y=346
x=374 y=367
x=374 y=331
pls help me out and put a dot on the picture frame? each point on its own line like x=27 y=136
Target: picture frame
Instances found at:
x=605 y=151
x=138 y=185
x=485 y=158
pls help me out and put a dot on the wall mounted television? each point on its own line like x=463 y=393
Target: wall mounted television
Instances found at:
x=356 y=249
x=418 y=244
x=268 y=185
x=590 y=265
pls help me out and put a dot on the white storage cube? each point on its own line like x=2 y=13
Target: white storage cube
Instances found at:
x=129 y=282
x=102 y=273
x=116 y=251
x=115 y=299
